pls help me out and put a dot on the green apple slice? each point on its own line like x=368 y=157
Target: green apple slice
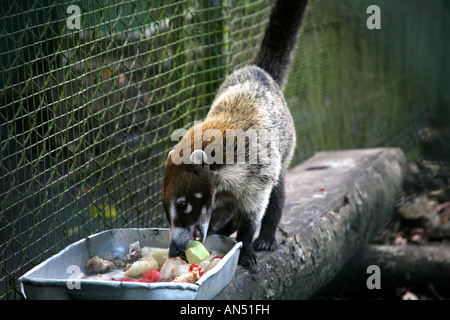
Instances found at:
x=196 y=252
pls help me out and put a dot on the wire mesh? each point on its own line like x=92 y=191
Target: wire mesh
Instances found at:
x=86 y=113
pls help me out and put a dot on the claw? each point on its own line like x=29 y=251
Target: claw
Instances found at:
x=247 y=261
x=247 y=258
x=264 y=245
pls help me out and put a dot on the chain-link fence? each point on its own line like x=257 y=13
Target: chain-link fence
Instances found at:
x=88 y=102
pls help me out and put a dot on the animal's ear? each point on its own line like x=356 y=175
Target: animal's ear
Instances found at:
x=199 y=157
x=170 y=152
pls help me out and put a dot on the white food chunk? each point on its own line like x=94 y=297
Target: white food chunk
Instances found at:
x=174 y=267
x=160 y=254
x=187 y=277
x=213 y=263
x=205 y=264
x=143 y=264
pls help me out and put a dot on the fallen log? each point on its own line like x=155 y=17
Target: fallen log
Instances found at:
x=335 y=203
x=423 y=268
x=409 y=265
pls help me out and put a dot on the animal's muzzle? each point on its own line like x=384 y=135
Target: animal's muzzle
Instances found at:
x=175 y=249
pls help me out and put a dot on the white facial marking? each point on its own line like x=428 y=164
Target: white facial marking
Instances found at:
x=188 y=209
x=198 y=195
x=204 y=223
x=172 y=212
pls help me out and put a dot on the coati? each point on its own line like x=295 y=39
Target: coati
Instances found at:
x=203 y=193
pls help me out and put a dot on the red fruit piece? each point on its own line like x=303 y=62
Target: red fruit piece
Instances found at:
x=152 y=275
x=126 y=279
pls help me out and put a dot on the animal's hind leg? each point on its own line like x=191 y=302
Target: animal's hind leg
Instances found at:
x=266 y=239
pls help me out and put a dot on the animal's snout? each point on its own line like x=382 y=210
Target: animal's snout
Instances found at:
x=176 y=248
x=174 y=252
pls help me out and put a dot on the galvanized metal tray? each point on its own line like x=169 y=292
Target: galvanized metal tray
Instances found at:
x=63 y=276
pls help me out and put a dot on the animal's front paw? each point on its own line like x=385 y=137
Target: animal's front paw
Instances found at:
x=262 y=244
x=247 y=257
x=248 y=261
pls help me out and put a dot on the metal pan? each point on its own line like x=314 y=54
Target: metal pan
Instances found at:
x=63 y=276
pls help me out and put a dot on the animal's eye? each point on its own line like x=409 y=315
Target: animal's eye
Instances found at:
x=182 y=205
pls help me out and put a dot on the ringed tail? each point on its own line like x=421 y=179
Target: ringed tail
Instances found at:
x=280 y=39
